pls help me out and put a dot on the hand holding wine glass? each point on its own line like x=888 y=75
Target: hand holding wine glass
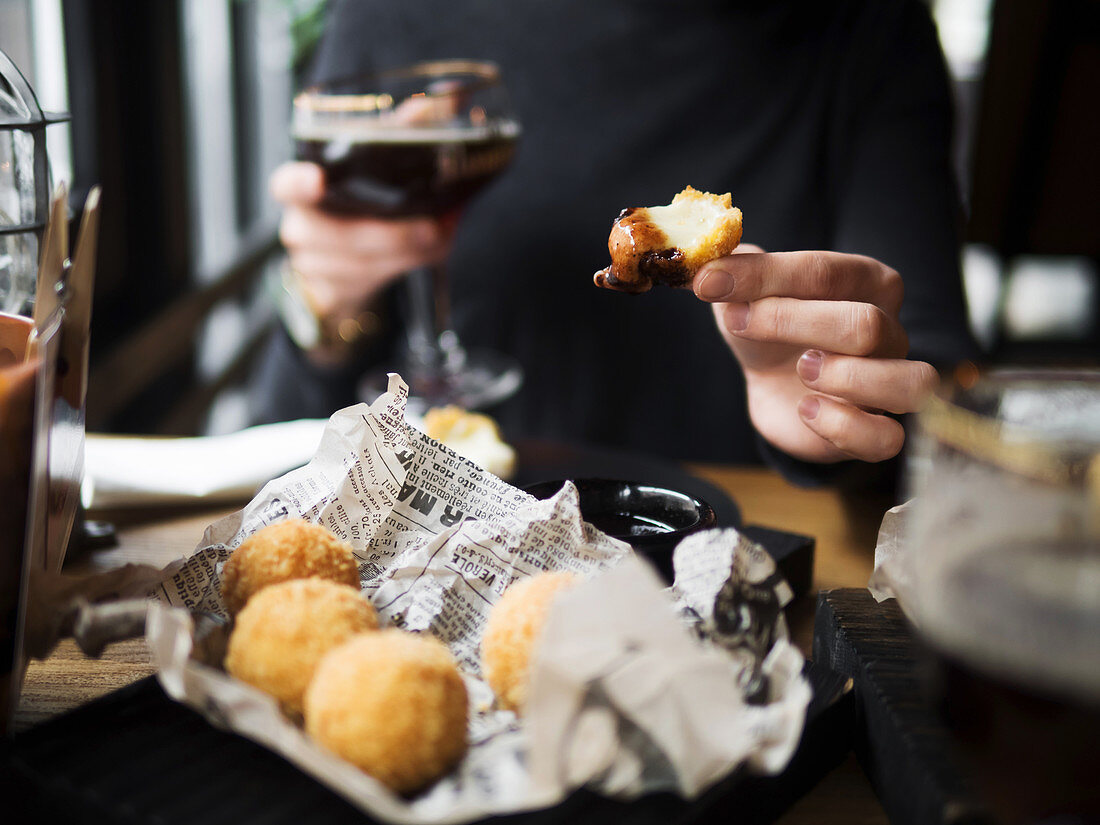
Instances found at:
x=399 y=153
x=342 y=263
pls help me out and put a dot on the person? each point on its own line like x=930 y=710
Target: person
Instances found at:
x=829 y=122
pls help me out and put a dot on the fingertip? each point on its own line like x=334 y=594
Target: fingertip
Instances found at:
x=856 y=433
x=928 y=380
x=712 y=283
x=297 y=182
x=889 y=442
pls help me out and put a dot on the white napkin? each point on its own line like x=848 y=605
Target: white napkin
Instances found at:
x=135 y=471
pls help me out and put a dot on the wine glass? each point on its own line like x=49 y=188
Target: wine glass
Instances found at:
x=417 y=141
x=1004 y=555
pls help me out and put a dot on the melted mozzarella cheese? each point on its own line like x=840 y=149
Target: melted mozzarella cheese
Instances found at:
x=686 y=224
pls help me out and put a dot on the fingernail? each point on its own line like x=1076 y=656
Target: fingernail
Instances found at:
x=737 y=317
x=715 y=285
x=809 y=365
x=808 y=407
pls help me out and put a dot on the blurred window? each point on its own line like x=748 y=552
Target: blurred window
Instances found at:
x=964 y=35
x=1034 y=172
x=32 y=35
x=237 y=58
x=180 y=111
x=237 y=79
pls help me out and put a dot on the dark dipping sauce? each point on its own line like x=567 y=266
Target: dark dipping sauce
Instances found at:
x=390 y=178
x=664 y=265
x=652 y=520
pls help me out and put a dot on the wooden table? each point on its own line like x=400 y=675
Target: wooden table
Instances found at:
x=845 y=531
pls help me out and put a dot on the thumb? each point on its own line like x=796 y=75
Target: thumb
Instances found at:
x=297 y=182
x=720 y=285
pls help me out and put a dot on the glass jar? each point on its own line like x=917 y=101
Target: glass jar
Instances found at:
x=24 y=188
x=1004 y=554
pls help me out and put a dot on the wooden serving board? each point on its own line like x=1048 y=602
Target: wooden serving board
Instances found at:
x=901 y=745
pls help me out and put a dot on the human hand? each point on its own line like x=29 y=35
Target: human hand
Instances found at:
x=818 y=338
x=344 y=262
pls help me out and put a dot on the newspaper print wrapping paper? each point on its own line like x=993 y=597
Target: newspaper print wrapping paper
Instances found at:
x=627 y=695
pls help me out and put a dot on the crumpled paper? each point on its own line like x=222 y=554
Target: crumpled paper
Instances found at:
x=631 y=692
x=625 y=697
x=892 y=578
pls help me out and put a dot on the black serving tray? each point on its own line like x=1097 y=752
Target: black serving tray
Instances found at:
x=135 y=757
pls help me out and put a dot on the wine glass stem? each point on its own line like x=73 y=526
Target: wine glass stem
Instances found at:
x=433 y=346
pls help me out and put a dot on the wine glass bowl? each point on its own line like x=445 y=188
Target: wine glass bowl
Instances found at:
x=426 y=140
x=417 y=141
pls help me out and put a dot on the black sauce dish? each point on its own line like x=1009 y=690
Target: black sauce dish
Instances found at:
x=652 y=520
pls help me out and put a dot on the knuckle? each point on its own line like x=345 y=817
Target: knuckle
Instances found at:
x=848 y=375
x=821 y=275
x=776 y=323
x=866 y=437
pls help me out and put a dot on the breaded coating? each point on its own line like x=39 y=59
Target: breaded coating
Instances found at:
x=281 y=635
x=668 y=244
x=392 y=703
x=513 y=630
x=291 y=549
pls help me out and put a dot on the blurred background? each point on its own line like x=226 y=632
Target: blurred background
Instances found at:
x=180 y=109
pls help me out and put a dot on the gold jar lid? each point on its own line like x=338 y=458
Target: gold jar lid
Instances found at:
x=1040 y=424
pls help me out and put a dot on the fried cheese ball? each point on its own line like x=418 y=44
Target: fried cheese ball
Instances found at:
x=393 y=704
x=475 y=436
x=284 y=631
x=668 y=244
x=291 y=549
x=513 y=630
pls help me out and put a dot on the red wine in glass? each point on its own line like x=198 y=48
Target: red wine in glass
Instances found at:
x=412 y=142
x=397 y=173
